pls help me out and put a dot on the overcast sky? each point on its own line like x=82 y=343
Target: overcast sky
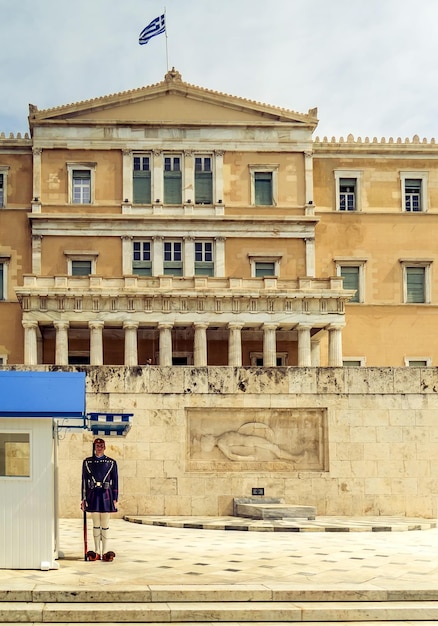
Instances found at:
x=369 y=66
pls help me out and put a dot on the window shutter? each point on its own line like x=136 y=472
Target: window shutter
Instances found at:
x=81 y=268
x=351 y=280
x=203 y=188
x=263 y=188
x=142 y=187
x=415 y=288
x=172 y=188
x=264 y=269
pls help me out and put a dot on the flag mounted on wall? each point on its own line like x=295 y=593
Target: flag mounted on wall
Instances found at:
x=156 y=27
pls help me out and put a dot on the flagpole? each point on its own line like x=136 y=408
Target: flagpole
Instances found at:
x=165 y=32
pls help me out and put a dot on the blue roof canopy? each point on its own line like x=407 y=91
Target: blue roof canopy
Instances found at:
x=42 y=394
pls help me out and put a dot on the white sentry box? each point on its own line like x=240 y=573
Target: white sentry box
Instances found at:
x=30 y=405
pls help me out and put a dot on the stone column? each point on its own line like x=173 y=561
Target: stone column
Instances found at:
x=96 y=343
x=165 y=344
x=36 y=254
x=200 y=346
x=218 y=176
x=189 y=178
x=308 y=176
x=36 y=190
x=131 y=352
x=157 y=178
x=127 y=186
x=157 y=256
x=335 y=345
x=235 y=344
x=30 y=343
x=269 y=345
x=127 y=254
x=189 y=256
x=61 y=350
x=304 y=349
x=219 y=260
x=310 y=256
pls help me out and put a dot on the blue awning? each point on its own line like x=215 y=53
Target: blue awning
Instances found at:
x=42 y=394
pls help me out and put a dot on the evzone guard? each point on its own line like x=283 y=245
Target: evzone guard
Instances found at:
x=100 y=492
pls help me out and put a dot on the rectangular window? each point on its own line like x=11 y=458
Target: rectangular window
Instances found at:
x=141 y=258
x=172 y=180
x=413 y=194
x=347 y=194
x=2 y=194
x=81 y=267
x=141 y=180
x=263 y=188
x=204 y=264
x=264 y=268
x=415 y=284
x=15 y=454
x=351 y=274
x=203 y=180
x=417 y=363
x=173 y=265
x=81 y=186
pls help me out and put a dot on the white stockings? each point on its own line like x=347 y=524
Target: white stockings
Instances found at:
x=100 y=531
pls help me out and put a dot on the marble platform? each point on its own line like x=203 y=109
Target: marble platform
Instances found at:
x=271 y=508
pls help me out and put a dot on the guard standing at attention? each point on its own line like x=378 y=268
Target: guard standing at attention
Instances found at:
x=100 y=492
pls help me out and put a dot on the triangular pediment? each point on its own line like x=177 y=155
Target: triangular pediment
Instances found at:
x=171 y=101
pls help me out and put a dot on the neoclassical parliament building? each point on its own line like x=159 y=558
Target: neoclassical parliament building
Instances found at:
x=191 y=227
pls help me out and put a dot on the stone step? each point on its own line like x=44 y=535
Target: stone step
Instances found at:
x=359 y=623
x=198 y=612
x=214 y=593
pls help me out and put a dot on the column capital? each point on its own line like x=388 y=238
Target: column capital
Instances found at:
x=270 y=326
x=96 y=324
x=235 y=325
x=130 y=325
x=37 y=151
x=29 y=324
x=165 y=325
x=303 y=326
x=337 y=326
x=126 y=152
x=61 y=325
x=201 y=325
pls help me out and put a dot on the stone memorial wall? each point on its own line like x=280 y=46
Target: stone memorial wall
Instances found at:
x=349 y=441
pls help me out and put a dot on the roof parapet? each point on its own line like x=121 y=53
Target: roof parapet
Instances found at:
x=366 y=141
x=15 y=137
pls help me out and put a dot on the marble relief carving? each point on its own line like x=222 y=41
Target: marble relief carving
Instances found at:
x=230 y=439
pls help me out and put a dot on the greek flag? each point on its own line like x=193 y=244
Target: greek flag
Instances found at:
x=156 y=27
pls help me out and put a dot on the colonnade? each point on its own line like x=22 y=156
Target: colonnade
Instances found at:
x=308 y=354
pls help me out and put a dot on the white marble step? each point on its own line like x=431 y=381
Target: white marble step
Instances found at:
x=198 y=612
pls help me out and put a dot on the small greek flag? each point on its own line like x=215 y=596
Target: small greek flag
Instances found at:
x=156 y=27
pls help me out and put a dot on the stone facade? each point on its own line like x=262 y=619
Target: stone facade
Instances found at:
x=357 y=441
